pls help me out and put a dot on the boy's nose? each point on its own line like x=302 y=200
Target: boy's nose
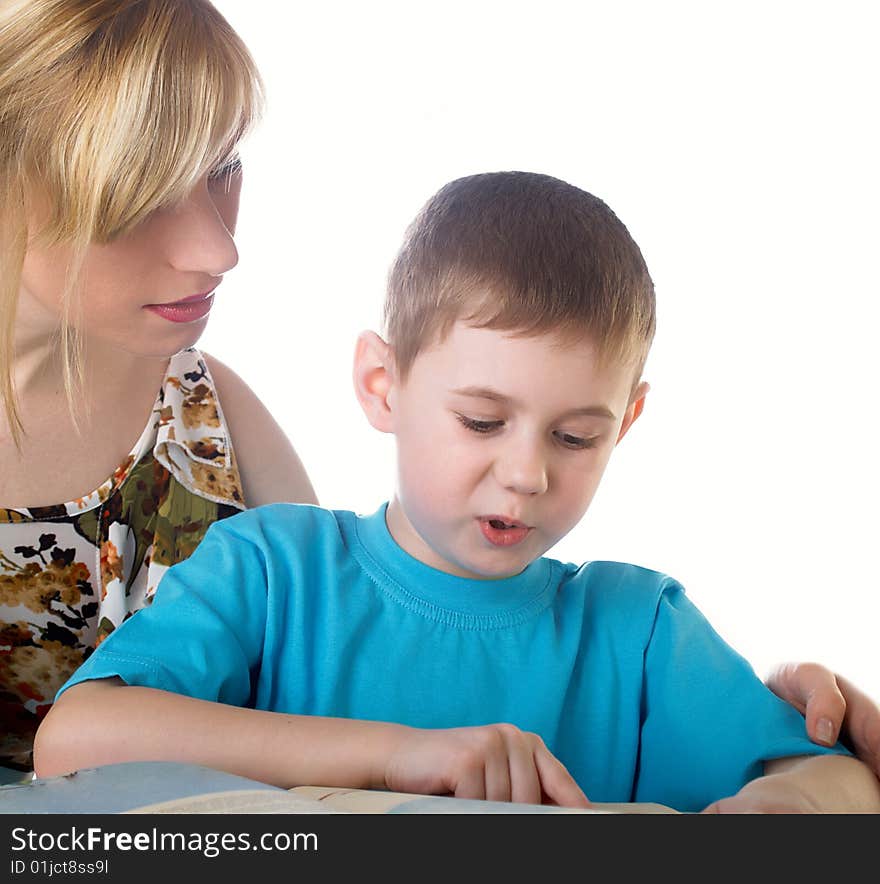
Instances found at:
x=522 y=468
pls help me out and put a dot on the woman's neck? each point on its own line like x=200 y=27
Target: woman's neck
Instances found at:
x=38 y=365
x=116 y=388
x=66 y=452
x=70 y=445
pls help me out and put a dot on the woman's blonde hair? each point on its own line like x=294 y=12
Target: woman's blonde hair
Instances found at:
x=111 y=109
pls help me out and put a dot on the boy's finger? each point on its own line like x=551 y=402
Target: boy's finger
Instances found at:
x=557 y=782
x=471 y=783
x=814 y=691
x=498 y=785
x=525 y=784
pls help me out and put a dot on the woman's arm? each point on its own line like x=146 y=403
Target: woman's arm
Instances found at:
x=270 y=468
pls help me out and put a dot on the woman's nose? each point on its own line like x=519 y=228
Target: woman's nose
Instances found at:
x=200 y=240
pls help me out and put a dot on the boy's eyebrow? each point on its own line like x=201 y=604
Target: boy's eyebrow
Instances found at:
x=494 y=395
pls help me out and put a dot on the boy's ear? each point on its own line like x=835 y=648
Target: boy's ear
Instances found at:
x=634 y=409
x=373 y=377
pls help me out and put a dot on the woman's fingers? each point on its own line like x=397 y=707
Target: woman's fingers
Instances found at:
x=833 y=706
x=814 y=691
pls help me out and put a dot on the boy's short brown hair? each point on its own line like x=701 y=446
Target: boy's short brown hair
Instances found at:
x=519 y=252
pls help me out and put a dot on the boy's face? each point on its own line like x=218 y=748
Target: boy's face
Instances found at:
x=501 y=444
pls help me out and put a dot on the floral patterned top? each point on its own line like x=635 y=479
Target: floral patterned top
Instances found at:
x=71 y=573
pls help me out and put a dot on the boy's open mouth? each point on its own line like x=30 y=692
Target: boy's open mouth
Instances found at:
x=503 y=532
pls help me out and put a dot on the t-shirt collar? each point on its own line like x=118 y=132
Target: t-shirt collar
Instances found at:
x=521 y=594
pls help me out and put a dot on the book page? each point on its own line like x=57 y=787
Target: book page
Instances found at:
x=369 y=801
x=239 y=801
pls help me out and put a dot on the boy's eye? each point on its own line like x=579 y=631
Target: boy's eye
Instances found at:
x=478 y=426
x=571 y=441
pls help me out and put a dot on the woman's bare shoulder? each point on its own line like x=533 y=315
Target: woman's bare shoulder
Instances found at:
x=271 y=470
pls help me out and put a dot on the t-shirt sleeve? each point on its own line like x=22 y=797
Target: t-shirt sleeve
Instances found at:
x=708 y=722
x=203 y=634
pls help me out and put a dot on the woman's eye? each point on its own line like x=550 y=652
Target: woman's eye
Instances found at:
x=478 y=426
x=571 y=441
x=225 y=170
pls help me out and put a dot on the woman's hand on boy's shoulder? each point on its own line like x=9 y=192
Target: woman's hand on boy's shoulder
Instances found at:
x=833 y=706
x=271 y=470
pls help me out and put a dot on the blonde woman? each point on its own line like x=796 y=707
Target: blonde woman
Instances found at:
x=120 y=443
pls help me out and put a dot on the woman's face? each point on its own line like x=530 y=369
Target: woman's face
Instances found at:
x=150 y=291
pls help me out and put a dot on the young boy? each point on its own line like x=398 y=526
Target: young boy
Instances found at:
x=429 y=646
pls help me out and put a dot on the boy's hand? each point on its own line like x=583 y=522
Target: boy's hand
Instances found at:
x=773 y=794
x=833 y=706
x=807 y=784
x=496 y=762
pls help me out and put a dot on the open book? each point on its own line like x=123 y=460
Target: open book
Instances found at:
x=168 y=787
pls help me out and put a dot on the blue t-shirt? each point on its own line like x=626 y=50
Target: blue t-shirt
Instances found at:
x=299 y=609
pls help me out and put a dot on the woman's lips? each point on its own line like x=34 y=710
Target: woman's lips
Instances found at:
x=502 y=532
x=186 y=309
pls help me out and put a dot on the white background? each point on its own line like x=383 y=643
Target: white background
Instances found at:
x=739 y=144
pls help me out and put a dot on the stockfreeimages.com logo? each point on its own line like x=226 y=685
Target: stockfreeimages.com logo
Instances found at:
x=209 y=844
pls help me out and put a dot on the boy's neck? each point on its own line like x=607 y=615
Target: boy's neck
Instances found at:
x=407 y=537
